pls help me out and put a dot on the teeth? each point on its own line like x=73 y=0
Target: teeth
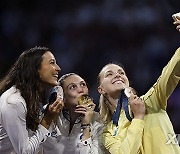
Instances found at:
x=55 y=76
x=118 y=81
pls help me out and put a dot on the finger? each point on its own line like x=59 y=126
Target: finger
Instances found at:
x=55 y=102
x=132 y=97
x=176 y=22
x=82 y=113
x=58 y=106
x=178 y=17
x=178 y=27
x=81 y=109
x=87 y=106
x=91 y=107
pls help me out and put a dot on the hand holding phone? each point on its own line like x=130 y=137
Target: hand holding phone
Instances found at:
x=176 y=16
x=57 y=91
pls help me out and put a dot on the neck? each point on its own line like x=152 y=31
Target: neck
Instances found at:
x=112 y=103
x=115 y=95
x=73 y=115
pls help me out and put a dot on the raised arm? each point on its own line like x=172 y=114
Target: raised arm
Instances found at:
x=165 y=84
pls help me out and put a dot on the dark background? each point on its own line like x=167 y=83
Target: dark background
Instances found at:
x=86 y=35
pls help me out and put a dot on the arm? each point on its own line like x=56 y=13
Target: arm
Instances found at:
x=124 y=143
x=157 y=96
x=93 y=145
x=14 y=122
x=90 y=138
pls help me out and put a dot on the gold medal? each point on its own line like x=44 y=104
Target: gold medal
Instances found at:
x=84 y=99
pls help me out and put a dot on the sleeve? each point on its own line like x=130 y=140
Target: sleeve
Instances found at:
x=14 y=122
x=130 y=144
x=93 y=145
x=157 y=96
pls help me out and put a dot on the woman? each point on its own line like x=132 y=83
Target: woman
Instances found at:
x=151 y=136
x=78 y=130
x=22 y=95
x=113 y=81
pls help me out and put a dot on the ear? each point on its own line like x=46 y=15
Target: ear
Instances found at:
x=100 y=90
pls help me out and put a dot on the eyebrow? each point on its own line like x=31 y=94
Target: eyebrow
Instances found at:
x=52 y=60
x=110 y=71
x=75 y=83
x=70 y=84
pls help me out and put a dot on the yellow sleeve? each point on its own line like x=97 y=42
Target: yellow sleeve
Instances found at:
x=157 y=96
x=125 y=142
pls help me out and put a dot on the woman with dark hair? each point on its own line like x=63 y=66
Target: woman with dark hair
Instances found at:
x=23 y=92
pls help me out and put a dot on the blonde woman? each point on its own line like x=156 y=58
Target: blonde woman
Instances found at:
x=145 y=134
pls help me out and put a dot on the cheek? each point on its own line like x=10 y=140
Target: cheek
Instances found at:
x=86 y=90
x=44 y=77
x=126 y=81
x=71 y=96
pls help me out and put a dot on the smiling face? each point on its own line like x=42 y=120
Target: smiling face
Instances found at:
x=73 y=86
x=112 y=80
x=48 y=71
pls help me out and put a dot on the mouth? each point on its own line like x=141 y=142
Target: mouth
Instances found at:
x=119 y=81
x=55 y=76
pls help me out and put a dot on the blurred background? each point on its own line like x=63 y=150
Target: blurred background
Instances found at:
x=85 y=35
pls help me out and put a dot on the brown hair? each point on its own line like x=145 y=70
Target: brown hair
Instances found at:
x=25 y=77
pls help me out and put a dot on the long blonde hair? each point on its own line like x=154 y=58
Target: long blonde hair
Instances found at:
x=104 y=111
x=104 y=108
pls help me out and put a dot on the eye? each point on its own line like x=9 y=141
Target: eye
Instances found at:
x=108 y=74
x=83 y=84
x=122 y=73
x=73 y=87
x=52 y=62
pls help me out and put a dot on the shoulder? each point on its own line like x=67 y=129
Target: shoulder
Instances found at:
x=97 y=122
x=13 y=98
x=96 y=117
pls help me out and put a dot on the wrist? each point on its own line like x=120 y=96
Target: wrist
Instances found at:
x=46 y=122
x=85 y=129
x=85 y=126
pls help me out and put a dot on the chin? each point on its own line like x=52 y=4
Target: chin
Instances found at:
x=119 y=88
x=54 y=84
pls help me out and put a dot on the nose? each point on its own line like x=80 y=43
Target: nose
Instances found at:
x=117 y=74
x=58 y=68
x=80 y=89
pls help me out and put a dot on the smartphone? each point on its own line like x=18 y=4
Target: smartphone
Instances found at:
x=57 y=91
x=52 y=97
x=174 y=16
